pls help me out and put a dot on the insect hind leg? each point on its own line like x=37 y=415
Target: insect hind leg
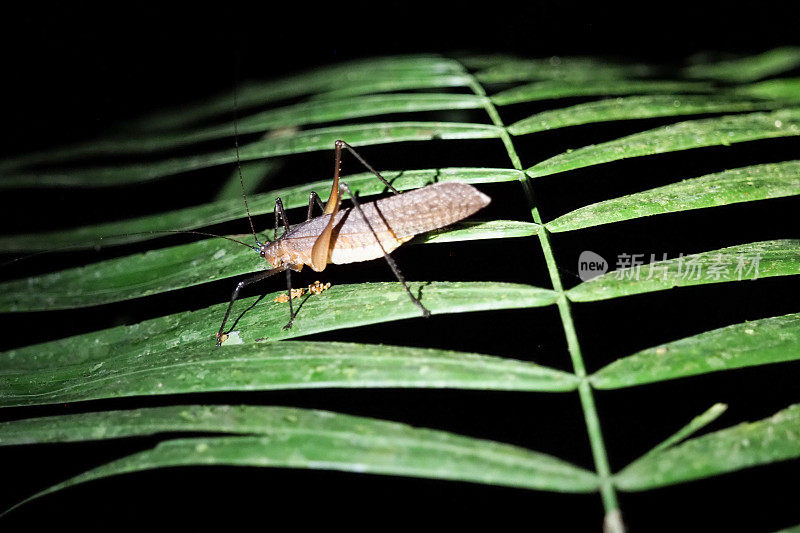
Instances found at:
x=386 y=255
x=341 y=144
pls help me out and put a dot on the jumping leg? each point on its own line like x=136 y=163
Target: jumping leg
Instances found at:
x=386 y=256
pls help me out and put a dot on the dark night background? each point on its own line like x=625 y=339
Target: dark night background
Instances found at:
x=76 y=70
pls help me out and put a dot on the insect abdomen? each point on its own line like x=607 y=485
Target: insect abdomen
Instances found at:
x=395 y=220
x=399 y=218
x=431 y=207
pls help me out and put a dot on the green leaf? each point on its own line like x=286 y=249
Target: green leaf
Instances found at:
x=759 y=342
x=102 y=425
x=128 y=370
x=185 y=265
x=339 y=307
x=318 y=111
x=175 y=354
x=719 y=131
x=133 y=276
x=234 y=419
x=633 y=107
x=694 y=425
x=746 y=184
x=746 y=445
x=285 y=117
x=329 y=441
x=484 y=61
x=319 y=80
x=548 y=90
x=795 y=529
x=506 y=70
x=748 y=68
x=254 y=174
x=141 y=228
x=477 y=230
x=778 y=89
x=292 y=143
x=736 y=263
x=406 y=83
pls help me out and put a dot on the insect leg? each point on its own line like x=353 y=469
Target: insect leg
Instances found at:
x=289 y=289
x=340 y=143
x=280 y=212
x=279 y=209
x=242 y=284
x=313 y=197
x=386 y=256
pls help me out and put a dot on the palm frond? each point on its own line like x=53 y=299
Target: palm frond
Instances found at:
x=174 y=353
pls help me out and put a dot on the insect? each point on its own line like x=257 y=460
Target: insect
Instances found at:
x=359 y=233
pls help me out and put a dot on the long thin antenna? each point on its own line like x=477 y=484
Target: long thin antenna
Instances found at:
x=198 y=233
x=236 y=144
x=152 y=232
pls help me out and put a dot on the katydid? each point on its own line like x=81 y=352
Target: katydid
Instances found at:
x=360 y=233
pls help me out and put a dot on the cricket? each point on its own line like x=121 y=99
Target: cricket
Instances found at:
x=362 y=232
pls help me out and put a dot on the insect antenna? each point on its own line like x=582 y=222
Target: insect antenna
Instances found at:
x=118 y=235
x=203 y=233
x=238 y=162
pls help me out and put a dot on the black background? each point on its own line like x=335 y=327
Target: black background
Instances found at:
x=74 y=71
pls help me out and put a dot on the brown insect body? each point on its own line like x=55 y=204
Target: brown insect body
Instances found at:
x=395 y=220
x=360 y=233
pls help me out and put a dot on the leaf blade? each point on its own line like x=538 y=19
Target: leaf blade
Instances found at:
x=330 y=441
x=310 y=82
x=695 y=424
x=338 y=307
x=720 y=131
x=478 y=230
x=186 y=265
x=746 y=184
x=280 y=120
x=260 y=367
x=510 y=69
x=742 y=446
x=748 y=68
x=758 y=342
x=291 y=143
x=549 y=90
x=135 y=229
x=631 y=108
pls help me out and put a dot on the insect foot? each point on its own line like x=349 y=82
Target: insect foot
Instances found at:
x=221 y=338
